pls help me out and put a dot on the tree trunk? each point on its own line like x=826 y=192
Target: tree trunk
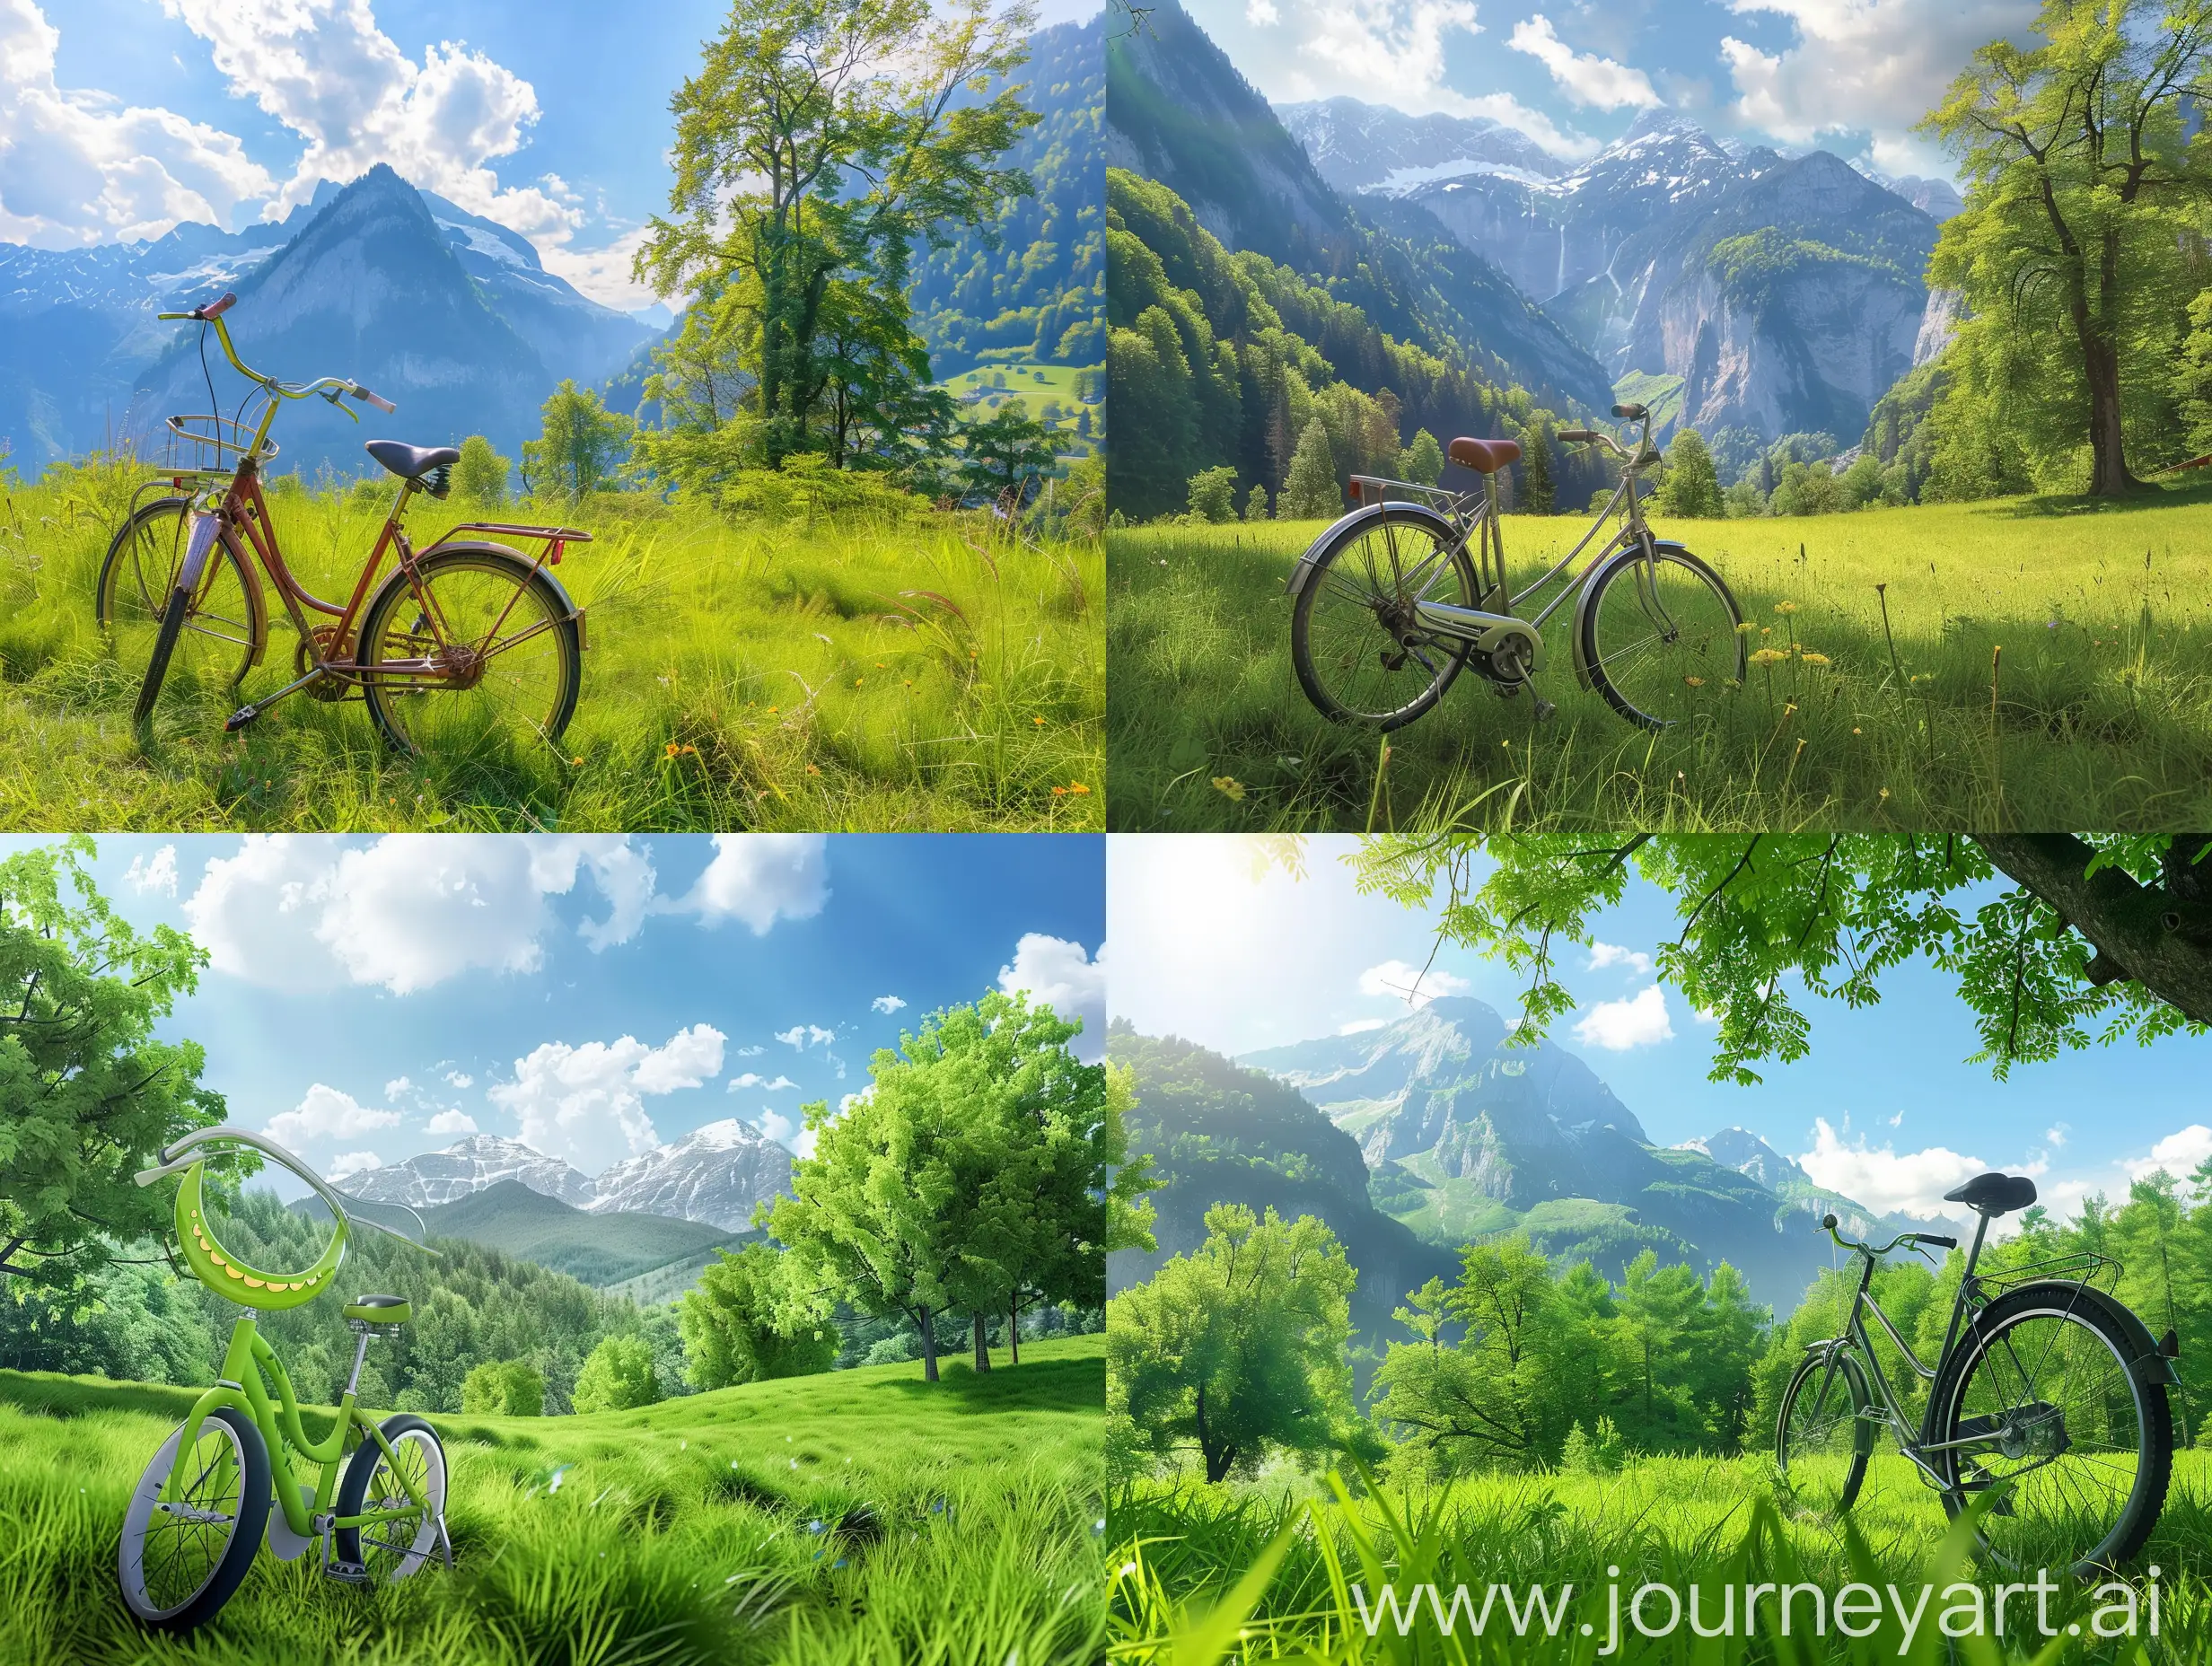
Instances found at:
x=1014 y=1331
x=2108 y=446
x=2161 y=939
x=929 y=1346
x=983 y=1342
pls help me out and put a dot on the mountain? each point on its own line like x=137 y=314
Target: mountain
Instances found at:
x=1180 y=114
x=1462 y=1135
x=1358 y=146
x=715 y=1175
x=1219 y=1133
x=450 y=315
x=600 y=1248
x=1032 y=285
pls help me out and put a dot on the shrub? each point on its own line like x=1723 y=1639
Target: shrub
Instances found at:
x=507 y=1388
x=618 y=1377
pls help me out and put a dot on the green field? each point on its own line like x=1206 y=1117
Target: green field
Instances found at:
x=1034 y=382
x=927 y=672
x=2101 y=714
x=1179 y=1550
x=858 y=1516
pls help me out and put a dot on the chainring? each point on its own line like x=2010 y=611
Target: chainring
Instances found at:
x=329 y=645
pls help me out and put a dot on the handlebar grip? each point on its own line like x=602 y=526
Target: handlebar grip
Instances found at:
x=216 y=309
x=1930 y=1238
x=1582 y=436
x=381 y=404
x=1828 y=1223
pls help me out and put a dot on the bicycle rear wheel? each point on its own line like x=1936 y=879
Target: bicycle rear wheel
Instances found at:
x=1822 y=1438
x=1660 y=636
x=393 y=1549
x=2082 y=1446
x=180 y=1561
x=1360 y=655
x=215 y=637
x=498 y=645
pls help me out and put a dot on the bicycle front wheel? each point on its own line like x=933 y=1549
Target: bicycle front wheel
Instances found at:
x=217 y=635
x=1360 y=652
x=480 y=650
x=1822 y=1436
x=1659 y=635
x=2080 y=1448
x=180 y=1561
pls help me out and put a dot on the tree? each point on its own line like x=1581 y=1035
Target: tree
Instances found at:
x=618 y=1376
x=480 y=476
x=2116 y=929
x=740 y=1324
x=819 y=139
x=2083 y=176
x=1423 y=461
x=507 y=1388
x=1003 y=455
x=1692 y=486
x=1212 y=494
x=1536 y=488
x=1256 y=505
x=1310 y=489
x=1236 y=1346
x=89 y=1092
x=580 y=443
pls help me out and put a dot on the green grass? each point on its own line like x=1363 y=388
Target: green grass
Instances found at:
x=858 y=1516
x=928 y=672
x=1180 y=1548
x=2102 y=713
x=1035 y=382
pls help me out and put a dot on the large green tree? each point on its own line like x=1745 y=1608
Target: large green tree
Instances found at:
x=2056 y=940
x=89 y=1093
x=580 y=446
x=2084 y=180
x=1238 y=1345
x=819 y=141
x=741 y=1325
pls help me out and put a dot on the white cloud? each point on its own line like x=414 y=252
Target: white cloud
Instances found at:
x=79 y=167
x=801 y=1036
x=1359 y=1026
x=586 y=1104
x=352 y=1163
x=450 y=1122
x=1863 y=65
x=407 y=912
x=738 y=1084
x=156 y=877
x=326 y=1113
x=2055 y=1136
x=1598 y=83
x=760 y=878
x=887 y=1004
x=399 y=1087
x=750 y=1052
x=1412 y=984
x=460 y=1079
x=1913 y=1182
x=2178 y=1154
x=603 y=273
x=1261 y=14
x=1640 y=1021
x=778 y=1127
x=1055 y=972
x=1605 y=954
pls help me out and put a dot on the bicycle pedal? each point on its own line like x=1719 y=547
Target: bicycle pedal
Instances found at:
x=347 y=1572
x=1545 y=710
x=240 y=718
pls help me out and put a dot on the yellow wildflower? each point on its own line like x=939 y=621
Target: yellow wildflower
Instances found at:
x=1229 y=787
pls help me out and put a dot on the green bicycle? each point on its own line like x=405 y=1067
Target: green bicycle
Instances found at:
x=371 y=1492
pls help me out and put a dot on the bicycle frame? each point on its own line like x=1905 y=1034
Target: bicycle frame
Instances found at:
x=240 y=1388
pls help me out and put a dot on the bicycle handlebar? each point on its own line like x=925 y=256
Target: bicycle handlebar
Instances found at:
x=174 y=1161
x=329 y=387
x=1828 y=1224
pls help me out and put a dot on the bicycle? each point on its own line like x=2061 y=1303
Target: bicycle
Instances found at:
x=180 y=593
x=1392 y=584
x=2081 y=1478
x=372 y=1492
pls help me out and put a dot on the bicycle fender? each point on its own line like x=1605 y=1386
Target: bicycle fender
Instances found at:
x=569 y=610
x=283 y=1544
x=1589 y=595
x=2148 y=1365
x=1302 y=573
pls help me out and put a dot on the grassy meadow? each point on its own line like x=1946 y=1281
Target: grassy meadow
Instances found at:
x=839 y=673
x=857 y=1516
x=1034 y=381
x=1189 y=1587
x=2097 y=712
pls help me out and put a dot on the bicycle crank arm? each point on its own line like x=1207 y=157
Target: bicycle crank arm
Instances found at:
x=245 y=715
x=1488 y=631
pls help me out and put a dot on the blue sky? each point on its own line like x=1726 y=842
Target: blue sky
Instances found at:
x=118 y=118
x=1847 y=76
x=375 y=998
x=1204 y=949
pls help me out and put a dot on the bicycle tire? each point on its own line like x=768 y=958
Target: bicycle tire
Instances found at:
x=1948 y=1410
x=229 y=1569
x=123 y=584
x=385 y=700
x=1337 y=547
x=1854 y=1472
x=1728 y=661
x=361 y=1469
